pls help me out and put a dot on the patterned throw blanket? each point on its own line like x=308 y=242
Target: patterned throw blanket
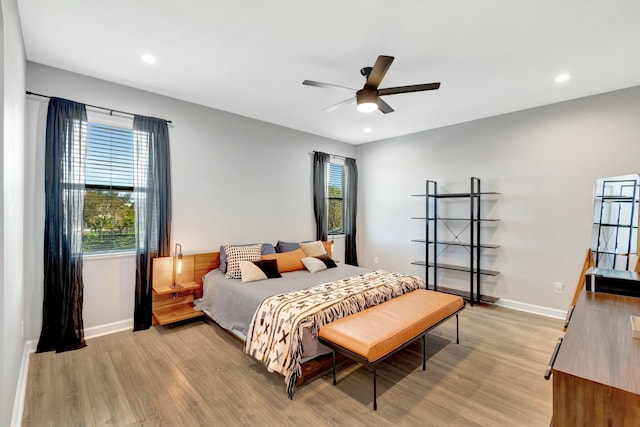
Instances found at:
x=275 y=334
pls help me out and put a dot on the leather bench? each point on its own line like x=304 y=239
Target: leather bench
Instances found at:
x=372 y=335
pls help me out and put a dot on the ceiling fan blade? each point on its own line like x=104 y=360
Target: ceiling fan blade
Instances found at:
x=380 y=68
x=328 y=86
x=384 y=107
x=339 y=104
x=407 y=89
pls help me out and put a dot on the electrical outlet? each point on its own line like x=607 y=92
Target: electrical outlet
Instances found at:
x=558 y=287
x=376 y=260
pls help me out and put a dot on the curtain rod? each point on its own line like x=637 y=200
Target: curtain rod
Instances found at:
x=335 y=156
x=110 y=110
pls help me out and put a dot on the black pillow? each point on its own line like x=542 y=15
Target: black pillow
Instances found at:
x=328 y=261
x=269 y=267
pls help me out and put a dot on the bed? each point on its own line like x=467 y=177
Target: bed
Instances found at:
x=232 y=304
x=298 y=300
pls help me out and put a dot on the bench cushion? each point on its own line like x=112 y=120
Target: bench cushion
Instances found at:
x=378 y=330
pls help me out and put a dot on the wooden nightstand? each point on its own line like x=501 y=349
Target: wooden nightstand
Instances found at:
x=175 y=304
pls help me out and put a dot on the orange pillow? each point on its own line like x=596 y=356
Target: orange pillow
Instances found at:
x=328 y=247
x=288 y=261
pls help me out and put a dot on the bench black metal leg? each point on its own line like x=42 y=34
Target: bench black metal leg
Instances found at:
x=424 y=352
x=334 y=367
x=457 y=330
x=375 y=403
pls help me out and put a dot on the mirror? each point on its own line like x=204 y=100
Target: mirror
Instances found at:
x=614 y=237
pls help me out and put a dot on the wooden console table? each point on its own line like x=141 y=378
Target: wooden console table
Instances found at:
x=596 y=374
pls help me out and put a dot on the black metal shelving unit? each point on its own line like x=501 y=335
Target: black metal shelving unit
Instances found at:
x=473 y=245
x=615 y=222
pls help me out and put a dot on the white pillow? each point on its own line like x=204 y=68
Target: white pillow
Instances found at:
x=313 y=264
x=313 y=248
x=251 y=272
x=235 y=254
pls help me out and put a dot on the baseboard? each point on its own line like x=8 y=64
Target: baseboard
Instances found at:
x=21 y=389
x=30 y=347
x=109 y=328
x=531 y=308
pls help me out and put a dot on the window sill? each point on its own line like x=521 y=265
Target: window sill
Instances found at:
x=108 y=255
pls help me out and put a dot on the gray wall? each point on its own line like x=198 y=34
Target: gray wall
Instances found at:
x=12 y=194
x=235 y=180
x=544 y=162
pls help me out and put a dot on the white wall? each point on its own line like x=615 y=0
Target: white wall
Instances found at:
x=544 y=161
x=13 y=206
x=3 y=393
x=235 y=180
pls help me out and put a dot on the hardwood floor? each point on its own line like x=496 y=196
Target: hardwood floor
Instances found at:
x=194 y=374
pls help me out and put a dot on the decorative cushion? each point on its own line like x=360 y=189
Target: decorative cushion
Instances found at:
x=327 y=260
x=328 y=247
x=267 y=248
x=313 y=265
x=319 y=263
x=312 y=249
x=259 y=270
x=286 y=246
x=235 y=254
x=288 y=261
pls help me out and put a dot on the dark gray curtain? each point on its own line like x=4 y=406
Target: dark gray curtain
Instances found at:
x=350 y=211
x=62 y=325
x=320 y=164
x=152 y=195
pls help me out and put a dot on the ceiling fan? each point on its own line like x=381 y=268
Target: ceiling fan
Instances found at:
x=368 y=98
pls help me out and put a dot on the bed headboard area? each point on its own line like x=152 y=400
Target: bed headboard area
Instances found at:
x=193 y=268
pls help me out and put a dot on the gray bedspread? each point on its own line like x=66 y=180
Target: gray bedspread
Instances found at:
x=232 y=303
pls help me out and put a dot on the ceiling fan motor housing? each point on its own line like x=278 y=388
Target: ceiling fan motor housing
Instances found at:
x=367 y=95
x=366 y=71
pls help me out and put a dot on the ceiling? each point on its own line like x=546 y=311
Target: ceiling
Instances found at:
x=250 y=57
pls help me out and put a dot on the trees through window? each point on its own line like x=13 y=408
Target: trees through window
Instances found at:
x=335 y=198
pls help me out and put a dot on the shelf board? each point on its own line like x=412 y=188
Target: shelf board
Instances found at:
x=615 y=225
x=175 y=313
x=457 y=268
x=595 y=251
x=616 y=198
x=167 y=289
x=457 y=195
x=456 y=219
x=467 y=244
x=452 y=243
x=462 y=195
x=465 y=294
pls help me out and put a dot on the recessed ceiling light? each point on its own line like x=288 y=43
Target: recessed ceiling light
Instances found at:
x=561 y=78
x=366 y=130
x=148 y=58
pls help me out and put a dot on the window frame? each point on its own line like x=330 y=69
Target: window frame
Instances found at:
x=100 y=118
x=340 y=163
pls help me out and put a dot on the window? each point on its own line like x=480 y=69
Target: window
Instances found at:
x=335 y=198
x=109 y=216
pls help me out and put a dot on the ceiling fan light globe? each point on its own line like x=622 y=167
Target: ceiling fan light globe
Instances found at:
x=367 y=107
